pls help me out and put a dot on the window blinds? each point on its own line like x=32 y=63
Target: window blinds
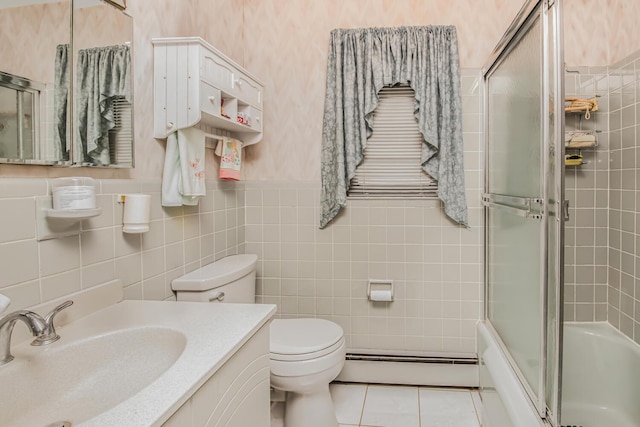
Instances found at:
x=392 y=167
x=121 y=136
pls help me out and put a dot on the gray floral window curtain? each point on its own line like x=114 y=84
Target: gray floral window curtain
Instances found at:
x=104 y=75
x=61 y=101
x=361 y=62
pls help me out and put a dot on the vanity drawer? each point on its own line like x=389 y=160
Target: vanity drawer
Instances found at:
x=210 y=98
x=216 y=70
x=247 y=90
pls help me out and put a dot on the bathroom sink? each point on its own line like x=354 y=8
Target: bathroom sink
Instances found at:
x=127 y=363
x=80 y=379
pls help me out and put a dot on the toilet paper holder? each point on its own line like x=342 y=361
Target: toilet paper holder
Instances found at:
x=136 y=212
x=380 y=290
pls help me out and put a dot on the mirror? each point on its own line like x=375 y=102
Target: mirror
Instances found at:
x=102 y=89
x=31 y=33
x=37 y=123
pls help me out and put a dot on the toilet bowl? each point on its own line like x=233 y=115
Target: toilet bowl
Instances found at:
x=306 y=354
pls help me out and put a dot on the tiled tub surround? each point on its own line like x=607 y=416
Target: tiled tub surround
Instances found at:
x=180 y=240
x=586 y=233
x=624 y=199
x=602 y=252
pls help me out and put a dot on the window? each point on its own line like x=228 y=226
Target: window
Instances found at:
x=392 y=167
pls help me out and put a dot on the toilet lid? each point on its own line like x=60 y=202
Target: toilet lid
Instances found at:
x=302 y=339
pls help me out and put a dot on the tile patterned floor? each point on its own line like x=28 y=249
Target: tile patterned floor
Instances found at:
x=396 y=406
x=362 y=405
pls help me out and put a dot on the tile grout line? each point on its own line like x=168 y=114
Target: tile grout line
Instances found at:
x=364 y=401
x=475 y=409
x=419 y=409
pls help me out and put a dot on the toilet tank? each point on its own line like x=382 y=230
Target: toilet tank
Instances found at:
x=231 y=279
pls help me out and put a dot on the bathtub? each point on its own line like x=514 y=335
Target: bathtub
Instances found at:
x=504 y=401
x=601 y=377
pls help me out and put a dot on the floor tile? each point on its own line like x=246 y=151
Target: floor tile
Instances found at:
x=477 y=403
x=391 y=407
x=443 y=408
x=348 y=401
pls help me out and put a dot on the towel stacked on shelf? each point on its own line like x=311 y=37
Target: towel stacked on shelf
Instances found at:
x=579 y=139
x=230 y=152
x=183 y=173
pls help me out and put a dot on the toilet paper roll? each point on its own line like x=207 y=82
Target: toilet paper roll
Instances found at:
x=381 y=295
x=137 y=210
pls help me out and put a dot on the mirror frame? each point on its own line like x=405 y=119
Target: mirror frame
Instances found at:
x=120 y=4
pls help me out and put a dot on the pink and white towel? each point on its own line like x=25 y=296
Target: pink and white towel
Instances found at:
x=230 y=158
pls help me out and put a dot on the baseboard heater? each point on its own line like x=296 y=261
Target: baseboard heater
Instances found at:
x=410 y=370
x=412 y=359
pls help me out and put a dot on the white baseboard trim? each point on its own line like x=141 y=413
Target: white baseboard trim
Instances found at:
x=409 y=373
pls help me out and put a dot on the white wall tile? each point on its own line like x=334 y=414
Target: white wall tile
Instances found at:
x=59 y=255
x=97 y=246
x=15 y=225
x=58 y=285
x=18 y=262
x=95 y=274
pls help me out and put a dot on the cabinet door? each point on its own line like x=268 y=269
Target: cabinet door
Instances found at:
x=210 y=99
x=216 y=70
x=247 y=90
x=254 y=408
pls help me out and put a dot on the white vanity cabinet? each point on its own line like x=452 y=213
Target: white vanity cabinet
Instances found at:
x=237 y=395
x=196 y=83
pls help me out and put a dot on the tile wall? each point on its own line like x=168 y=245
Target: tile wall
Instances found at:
x=624 y=199
x=602 y=274
x=180 y=240
x=586 y=234
x=436 y=265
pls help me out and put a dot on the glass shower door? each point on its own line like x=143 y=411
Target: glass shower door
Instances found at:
x=521 y=197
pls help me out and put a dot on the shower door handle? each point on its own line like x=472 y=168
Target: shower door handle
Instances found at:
x=521 y=206
x=565 y=210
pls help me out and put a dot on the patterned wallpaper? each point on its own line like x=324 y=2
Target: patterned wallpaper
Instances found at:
x=33 y=32
x=218 y=21
x=285 y=44
x=600 y=33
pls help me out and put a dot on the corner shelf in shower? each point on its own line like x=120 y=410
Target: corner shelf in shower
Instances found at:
x=581 y=139
x=570 y=159
x=586 y=106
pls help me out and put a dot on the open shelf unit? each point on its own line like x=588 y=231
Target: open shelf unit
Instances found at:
x=195 y=83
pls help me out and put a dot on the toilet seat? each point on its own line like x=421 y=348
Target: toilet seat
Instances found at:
x=304 y=339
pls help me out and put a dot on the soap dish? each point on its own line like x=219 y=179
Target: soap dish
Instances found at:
x=72 y=213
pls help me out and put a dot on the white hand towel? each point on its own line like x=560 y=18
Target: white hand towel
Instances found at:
x=183 y=174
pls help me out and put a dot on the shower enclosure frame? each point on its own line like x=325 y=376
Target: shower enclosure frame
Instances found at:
x=548 y=208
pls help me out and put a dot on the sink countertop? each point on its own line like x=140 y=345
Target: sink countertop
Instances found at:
x=214 y=332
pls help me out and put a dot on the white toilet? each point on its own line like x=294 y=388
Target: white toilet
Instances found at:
x=306 y=354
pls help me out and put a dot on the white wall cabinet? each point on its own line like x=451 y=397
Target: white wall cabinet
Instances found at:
x=196 y=83
x=237 y=395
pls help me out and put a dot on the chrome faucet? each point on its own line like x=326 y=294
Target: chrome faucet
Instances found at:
x=41 y=328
